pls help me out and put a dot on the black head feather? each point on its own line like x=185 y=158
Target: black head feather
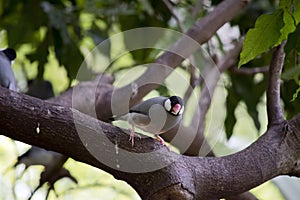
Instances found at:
x=10 y=53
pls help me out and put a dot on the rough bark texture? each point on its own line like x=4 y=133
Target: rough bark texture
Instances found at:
x=275 y=114
x=275 y=153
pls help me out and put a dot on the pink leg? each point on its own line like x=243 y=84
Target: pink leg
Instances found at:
x=162 y=141
x=131 y=136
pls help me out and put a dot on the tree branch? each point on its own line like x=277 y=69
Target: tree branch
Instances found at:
x=249 y=71
x=197 y=8
x=200 y=146
x=171 y=9
x=210 y=81
x=274 y=110
x=88 y=140
x=202 y=30
x=180 y=136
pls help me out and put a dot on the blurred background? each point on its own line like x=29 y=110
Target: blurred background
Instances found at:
x=53 y=37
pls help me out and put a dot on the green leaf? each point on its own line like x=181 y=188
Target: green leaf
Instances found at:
x=63 y=55
x=296 y=10
x=57 y=20
x=291 y=73
x=15 y=12
x=232 y=101
x=154 y=14
x=244 y=88
x=295 y=95
x=285 y=3
x=265 y=34
x=41 y=55
x=293 y=7
x=98 y=37
x=289 y=93
x=289 y=26
x=163 y=90
x=250 y=92
x=293 y=42
x=291 y=70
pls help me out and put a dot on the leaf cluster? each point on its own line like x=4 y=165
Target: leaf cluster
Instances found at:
x=269 y=30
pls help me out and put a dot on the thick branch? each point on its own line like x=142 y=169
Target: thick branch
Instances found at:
x=274 y=110
x=159 y=173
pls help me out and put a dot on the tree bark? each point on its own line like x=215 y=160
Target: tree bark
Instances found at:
x=274 y=110
x=152 y=170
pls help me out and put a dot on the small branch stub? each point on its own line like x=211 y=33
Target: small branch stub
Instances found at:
x=274 y=110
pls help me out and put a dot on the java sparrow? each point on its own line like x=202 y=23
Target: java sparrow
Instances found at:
x=7 y=78
x=156 y=115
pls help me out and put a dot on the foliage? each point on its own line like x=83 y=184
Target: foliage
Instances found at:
x=67 y=28
x=269 y=30
x=247 y=89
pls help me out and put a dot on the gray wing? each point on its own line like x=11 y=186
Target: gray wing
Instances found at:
x=134 y=118
x=145 y=106
x=139 y=119
x=156 y=121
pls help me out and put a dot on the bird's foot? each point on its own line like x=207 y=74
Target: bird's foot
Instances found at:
x=132 y=135
x=162 y=141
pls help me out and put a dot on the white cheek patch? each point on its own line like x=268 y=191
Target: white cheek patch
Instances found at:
x=181 y=111
x=167 y=105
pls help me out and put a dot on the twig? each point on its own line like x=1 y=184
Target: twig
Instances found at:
x=210 y=82
x=197 y=8
x=171 y=9
x=231 y=58
x=249 y=71
x=274 y=110
x=193 y=78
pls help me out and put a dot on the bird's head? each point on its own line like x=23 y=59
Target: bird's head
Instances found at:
x=10 y=53
x=174 y=105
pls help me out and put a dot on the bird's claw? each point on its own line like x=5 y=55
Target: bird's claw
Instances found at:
x=132 y=135
x=162 y=141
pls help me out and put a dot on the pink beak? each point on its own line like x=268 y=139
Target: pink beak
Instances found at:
x=176 y=109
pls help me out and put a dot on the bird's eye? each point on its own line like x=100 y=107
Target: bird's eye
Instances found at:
x=167 y=105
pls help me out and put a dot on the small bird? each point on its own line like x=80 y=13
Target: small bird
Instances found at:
x=156 y=115
x=7 y=78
